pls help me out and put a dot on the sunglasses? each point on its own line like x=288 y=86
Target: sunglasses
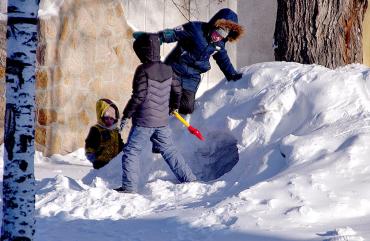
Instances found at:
x=222 y=32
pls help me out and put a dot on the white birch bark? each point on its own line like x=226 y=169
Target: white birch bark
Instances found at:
x=18 y=182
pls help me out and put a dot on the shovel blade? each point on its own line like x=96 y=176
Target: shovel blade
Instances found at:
x=196 y=133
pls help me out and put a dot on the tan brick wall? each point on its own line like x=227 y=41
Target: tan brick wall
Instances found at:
x=83 y=54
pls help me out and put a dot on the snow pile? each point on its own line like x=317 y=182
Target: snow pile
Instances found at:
x=303 y=172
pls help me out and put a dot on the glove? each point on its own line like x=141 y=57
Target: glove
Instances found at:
x=99 y=164
x=235 y=77
x=137 y=34
x=96 y=164
x=173 y=110
x=124 y=122
x=91 y=157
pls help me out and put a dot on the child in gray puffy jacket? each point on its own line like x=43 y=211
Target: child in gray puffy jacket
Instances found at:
x=155 y=95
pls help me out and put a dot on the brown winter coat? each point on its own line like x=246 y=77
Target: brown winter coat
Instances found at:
x=103 y=143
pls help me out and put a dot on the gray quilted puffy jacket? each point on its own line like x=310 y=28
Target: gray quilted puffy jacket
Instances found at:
x=154 y=89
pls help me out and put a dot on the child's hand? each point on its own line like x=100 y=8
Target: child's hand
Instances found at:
x=173 y=110
x=91 y=157
x=235 y=77
x=137 y=34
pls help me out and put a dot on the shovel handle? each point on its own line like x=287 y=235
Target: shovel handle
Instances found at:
x=179 y=117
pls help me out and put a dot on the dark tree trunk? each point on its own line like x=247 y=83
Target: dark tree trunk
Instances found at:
x=325 y=32
x=18 y=181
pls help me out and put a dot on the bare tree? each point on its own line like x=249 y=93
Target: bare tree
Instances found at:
x=188 y=12
x=326 y=32
x=18 y=182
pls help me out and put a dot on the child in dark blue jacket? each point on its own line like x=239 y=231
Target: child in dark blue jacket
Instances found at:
x=196 y=43
x=155 y=94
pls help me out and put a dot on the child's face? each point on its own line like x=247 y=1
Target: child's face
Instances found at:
x=218 y=34
x=108 y=121
x=215 y=37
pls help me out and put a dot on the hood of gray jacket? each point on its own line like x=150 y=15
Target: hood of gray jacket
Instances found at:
x=147 y=47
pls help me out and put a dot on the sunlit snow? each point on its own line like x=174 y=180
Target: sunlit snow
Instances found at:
x=303 y=136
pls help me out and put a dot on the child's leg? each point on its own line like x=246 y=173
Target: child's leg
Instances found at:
x=130 y=158
x=163 y=139
x=187 y=102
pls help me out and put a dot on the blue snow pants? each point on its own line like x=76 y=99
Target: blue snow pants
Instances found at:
x=161 y=137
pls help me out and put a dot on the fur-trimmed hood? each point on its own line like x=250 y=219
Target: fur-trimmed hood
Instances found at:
x=227 y=18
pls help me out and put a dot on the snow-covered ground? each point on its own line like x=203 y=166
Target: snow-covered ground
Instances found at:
x=303 y=174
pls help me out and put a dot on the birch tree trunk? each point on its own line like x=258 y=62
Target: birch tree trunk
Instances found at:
x=19 y=130
x=325 y=32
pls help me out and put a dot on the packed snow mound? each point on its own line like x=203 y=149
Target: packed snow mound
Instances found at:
x=280 y=114
x=287 y=114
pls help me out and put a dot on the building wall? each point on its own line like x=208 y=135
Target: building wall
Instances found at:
x=258 y=16
x=84 y=54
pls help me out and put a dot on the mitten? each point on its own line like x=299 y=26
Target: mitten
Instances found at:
x=235 y=77
x=91 y=157
x=173 y=110
x=137 y=34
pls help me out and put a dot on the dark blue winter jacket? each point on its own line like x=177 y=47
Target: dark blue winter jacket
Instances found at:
x=190 y=58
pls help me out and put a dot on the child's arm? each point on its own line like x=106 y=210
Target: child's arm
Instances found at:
x=223 y=61
x=139 y=92
x=121 y=144
x=180 y=33
x=92 y=143
x=175 y=94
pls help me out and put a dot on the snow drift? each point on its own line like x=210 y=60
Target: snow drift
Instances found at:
x=303 y=169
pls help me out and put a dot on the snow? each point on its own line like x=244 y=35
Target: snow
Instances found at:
x=3 y=17
x=49 y=8
x=303 y=173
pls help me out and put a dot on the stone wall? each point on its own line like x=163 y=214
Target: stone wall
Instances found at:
x=85 y=53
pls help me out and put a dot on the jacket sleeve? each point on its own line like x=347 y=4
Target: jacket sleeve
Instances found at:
x=223 y=61
x=139 y=92
x=176 y=34
x=120 y=144
x=92 y=141
x=175 y=93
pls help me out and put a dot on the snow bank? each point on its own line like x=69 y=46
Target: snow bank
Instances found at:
x=302 y=134
x=302 y=129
